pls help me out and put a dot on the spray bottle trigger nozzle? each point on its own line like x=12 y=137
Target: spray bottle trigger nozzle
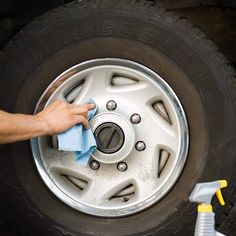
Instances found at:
x=220 y=197
x=223 y=184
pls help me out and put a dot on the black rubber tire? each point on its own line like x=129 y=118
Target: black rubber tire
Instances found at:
x=145 y=33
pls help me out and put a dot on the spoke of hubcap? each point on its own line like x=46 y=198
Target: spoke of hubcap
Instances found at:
x=146 y=171
x=60 y=88
x=95 y=83
x=103 y=188
x=149 y=172
x=64 y=163
x=158 y=131
x=58 y=96
x=141 y=92
x=145 y=186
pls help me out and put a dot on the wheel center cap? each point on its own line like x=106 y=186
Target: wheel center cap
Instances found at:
x=109 y=137
x=114 y=136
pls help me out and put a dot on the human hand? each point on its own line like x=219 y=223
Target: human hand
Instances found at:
x=60 y=116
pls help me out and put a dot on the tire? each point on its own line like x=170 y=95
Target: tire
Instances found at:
x=163 y=42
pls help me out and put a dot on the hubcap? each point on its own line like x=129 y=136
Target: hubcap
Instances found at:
x=141 y=133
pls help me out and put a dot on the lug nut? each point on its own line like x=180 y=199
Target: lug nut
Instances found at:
x=140 y=146
x=94 y=165
x=111 y=105
x=122 y=166
x=135 y=118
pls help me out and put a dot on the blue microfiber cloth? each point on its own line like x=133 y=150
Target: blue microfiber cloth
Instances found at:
x=79 y=139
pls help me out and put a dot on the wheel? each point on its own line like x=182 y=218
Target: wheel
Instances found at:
x=165 y=100
x=141 y=147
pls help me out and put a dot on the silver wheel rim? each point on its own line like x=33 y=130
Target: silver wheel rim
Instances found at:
x=151 y=157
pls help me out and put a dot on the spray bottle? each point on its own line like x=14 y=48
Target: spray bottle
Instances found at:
x=202 y=194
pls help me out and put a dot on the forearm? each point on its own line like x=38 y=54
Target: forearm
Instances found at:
x=57 y=117
x=18 y=127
